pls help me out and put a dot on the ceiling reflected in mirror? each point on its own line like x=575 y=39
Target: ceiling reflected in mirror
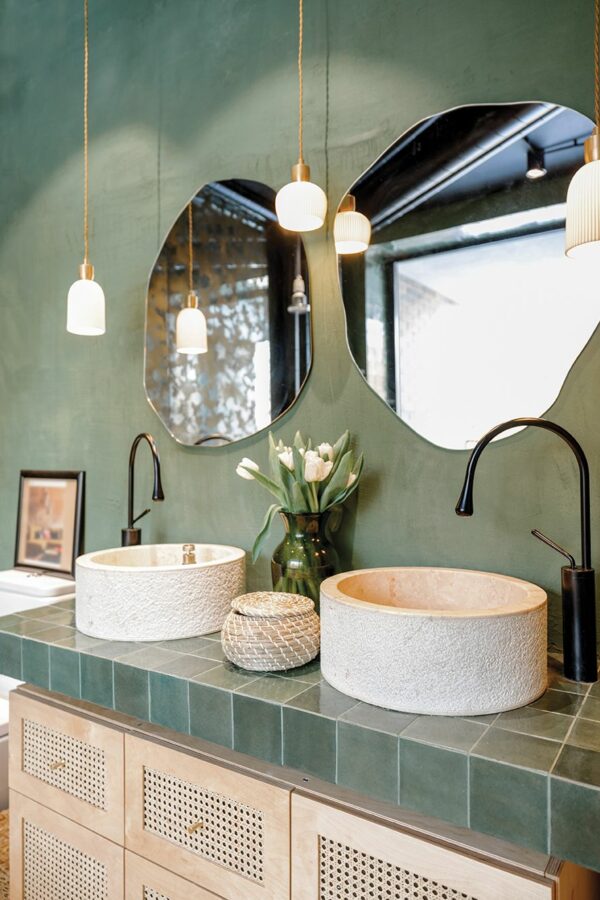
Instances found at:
x=464 y=310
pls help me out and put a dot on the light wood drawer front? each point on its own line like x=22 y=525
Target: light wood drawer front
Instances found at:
x=69 y=763
x=221 y=830
x=146 y=881
x=340 y=856
x=53 y=858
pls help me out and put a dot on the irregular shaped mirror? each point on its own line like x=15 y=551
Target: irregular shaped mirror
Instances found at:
x=247 y=352
x=464 y=311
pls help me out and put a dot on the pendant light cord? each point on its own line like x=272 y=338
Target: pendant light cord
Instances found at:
x=86 y=173
x=300 y=81
x=190 y=249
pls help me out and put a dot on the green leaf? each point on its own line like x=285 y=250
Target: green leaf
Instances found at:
x=269 y=484
x=339 y=480
x=357 y=470
x=298 y=441
x=260 y=538
x=299 y=502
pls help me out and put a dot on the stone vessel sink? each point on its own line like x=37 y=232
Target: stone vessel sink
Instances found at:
x=449 y=642
x=146 y=593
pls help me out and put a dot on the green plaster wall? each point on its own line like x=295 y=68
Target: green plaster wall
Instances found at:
x=189 y=91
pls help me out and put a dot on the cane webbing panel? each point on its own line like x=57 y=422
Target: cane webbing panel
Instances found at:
x=151 y=894
x=55 y=870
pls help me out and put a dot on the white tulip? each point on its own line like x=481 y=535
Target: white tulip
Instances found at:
x=287 y=458
x=242 y=469
x=315 y=468
x=325 y=450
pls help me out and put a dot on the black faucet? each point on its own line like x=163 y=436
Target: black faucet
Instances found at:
x=578 y=582
x=132 y=536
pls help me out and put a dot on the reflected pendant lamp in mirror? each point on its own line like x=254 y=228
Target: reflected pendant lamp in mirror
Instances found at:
x=351 y=230
x=190 y=330
x=85 y=300
x=583 y=196
x=301 y=205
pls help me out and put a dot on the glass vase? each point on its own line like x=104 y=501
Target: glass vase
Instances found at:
x=305 y=557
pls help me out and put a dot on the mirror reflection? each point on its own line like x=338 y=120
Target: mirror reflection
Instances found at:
x=464 y=310
x=227 y=350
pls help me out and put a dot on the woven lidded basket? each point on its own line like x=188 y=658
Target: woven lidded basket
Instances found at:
x=268 y=632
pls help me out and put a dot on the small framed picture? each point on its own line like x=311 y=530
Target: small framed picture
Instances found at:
x=50 y=521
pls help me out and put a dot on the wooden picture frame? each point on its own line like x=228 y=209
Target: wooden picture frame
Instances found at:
x=50 y=521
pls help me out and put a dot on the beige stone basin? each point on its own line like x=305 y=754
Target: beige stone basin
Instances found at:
x=448 y=642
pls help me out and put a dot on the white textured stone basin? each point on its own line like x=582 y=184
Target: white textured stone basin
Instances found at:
x=449 y=642
x=145 y=593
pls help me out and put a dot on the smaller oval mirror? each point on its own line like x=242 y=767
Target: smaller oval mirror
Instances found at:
x=464 y=311
x=248 y=341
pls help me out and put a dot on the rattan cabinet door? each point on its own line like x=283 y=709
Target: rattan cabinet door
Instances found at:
x=223 y=831
x=146 y=881
x=340 y=856
x=53 y=858
x=72 y=764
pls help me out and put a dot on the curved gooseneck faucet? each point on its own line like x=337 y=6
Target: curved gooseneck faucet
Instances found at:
x=578 y=582
x=131 y=536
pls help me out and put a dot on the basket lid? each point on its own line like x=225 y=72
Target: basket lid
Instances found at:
x=273 y=604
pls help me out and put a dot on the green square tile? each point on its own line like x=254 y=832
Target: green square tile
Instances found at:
x=559 y=702
x=64 y=671
x=54 y=633
x=591 y=709
x=575 y=813
x=323 y=699
x=586 y=734
x=169 y=703
x=78 y=641
x=577 y=764
x=211 y=714
x=309 y=743
x=518 y=749
x=213 y=636
x=148 y=657
x=212 y=650
x=537 y=722
x=367 y=761
x=7 y=621
x=309 y=673
x=131 y=691
x=187 y=665
x=10 y=655
x=434 y=781
x=509 y=803
x=257 y=728
x=37 y=612
x=276 y=690
x=386 y=720
x=114 y=649
x=594 y=690
x=558 y=682
x=59 y=617
x=97 y=680
x=26 y=627
x=36 y=663
x=445 y=731
x=187 y=645
x=227 y=676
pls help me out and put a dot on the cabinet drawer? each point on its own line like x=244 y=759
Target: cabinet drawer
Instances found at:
x=53 y=858
x=340 y=856
x=69 y=763
x=219 y=829
x=146 y=881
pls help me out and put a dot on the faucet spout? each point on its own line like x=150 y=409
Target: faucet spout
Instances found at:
x=578 y=582
x=131 y=535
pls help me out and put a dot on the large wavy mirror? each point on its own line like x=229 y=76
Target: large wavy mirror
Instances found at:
x=464 y=311
x=250 y=282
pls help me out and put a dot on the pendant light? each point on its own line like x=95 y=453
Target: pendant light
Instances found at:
x=583 y=196
x=190 y=337
x=351 y=230
x=301 y=205
x=85 y=301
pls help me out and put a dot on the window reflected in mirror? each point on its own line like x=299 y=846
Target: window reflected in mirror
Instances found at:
x=464 y=311
x=251 y=282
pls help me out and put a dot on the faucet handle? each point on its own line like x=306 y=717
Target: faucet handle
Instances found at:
x=189 y=554
x=546 y=540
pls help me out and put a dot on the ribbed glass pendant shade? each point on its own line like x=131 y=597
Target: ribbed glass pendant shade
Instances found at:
x=351 y=232
x=86 y=307
x=583 y=213
x=301 y=205
x=190 y=337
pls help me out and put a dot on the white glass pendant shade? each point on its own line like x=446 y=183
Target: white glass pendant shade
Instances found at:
x=190 y=337
x=301 y=205
x=86 y=306
x=583 y=213
x=351 y=232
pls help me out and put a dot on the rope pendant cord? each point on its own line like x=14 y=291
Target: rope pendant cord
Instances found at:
x=597 y=63
x=300 y=82
x=86 y=173
x=190 y=249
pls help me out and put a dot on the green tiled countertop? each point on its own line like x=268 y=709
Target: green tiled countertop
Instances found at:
x=531 y=776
